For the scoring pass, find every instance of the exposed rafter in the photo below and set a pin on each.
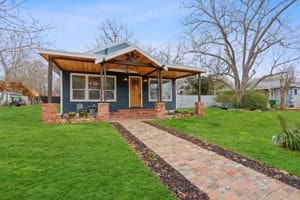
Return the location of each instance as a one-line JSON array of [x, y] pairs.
[[130, 63]]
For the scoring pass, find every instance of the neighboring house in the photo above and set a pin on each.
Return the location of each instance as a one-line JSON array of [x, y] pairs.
[[6, 98], [272, 89], [132, 78], [18, 92]]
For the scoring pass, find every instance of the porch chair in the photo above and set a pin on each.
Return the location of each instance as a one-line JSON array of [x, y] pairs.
[[79, 107]]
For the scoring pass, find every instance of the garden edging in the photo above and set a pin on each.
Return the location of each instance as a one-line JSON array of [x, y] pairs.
[[175, 182]]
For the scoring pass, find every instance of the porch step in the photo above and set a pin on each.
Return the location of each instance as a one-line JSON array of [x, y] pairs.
[[133, 114]]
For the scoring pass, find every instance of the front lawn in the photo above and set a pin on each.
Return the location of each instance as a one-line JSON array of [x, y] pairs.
[[247, 133], [78, 161]]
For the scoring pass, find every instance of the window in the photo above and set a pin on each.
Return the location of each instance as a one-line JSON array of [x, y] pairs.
[[87, 87], [110, 88], [94, 87], [295, 92], [78, 87], [166, 90]]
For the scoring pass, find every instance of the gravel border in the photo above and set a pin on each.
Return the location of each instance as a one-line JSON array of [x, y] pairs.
[[175, 182], [269, 171]]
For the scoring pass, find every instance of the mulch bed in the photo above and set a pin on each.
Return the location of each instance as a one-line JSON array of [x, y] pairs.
[[175, 182], [282, 176]]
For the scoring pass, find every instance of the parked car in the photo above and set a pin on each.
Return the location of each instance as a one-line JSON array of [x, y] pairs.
[[17, 101]]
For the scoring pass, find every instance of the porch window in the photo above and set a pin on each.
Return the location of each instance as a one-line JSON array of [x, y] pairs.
[[78, 87], [110, 88], [86, 87], [166, 90], [94, 87]]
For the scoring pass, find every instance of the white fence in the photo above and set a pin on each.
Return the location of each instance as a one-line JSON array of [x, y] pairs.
[[297, 101], [188, 101]]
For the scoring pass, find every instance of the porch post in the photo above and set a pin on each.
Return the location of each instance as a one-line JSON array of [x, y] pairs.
[[103, 107], [159, 86], [199, 106], [199, 87], [104, 85], [160, 107], [101, 83], [50, 79]]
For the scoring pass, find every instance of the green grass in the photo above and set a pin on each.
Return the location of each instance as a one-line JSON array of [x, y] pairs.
[[78, 161], [247, 133]]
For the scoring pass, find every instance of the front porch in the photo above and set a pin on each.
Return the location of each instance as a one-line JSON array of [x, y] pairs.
[[119, 80]]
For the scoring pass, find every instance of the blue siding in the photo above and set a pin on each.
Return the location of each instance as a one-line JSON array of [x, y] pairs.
[[122, 95]]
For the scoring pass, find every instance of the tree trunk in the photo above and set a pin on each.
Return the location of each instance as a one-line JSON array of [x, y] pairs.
[[282, 98]]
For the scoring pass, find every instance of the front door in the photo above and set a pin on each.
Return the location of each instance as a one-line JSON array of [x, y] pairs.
[[135, 92]]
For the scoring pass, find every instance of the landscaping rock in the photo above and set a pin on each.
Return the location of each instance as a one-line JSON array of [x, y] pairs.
[[177, 183]]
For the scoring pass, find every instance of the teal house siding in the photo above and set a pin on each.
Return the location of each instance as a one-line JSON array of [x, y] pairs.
[[122, 94]]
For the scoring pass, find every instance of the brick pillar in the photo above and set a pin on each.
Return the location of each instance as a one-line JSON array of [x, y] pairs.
[[103, 112], [49, 113], [199, 109], [160, 110]]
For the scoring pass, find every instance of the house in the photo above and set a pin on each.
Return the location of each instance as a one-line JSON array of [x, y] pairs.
[[272, 89], [7, 98], [15, 93], [120, 80]]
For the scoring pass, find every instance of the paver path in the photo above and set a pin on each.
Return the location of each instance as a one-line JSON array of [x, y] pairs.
[[216, 175]]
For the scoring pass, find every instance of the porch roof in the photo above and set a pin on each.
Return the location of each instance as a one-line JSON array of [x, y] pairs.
[[120, 57]]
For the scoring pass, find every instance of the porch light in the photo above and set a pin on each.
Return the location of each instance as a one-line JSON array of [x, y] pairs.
[[145, 80], [126, 79]]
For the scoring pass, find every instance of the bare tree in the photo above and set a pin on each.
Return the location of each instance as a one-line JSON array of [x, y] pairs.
[[235, 39], [169, 54], [19, 35], [286, 78], [14, 54], [111, 31], [14, 21], [33, 74]]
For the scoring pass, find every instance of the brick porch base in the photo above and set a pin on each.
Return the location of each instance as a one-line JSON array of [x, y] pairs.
[[49, 113], [51, 116], [199, 109], [133, 114]]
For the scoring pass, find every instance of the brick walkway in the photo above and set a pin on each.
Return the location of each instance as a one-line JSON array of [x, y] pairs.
[[216, 175]]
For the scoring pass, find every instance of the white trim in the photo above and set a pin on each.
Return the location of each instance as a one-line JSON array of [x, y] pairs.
[[175, 93], [129, 89], [108, 46], [114, 54], [182, 67], [152, 100], [86, 90], [68, 53], [61, 92]]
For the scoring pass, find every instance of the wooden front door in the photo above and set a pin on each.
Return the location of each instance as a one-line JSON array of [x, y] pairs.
[[135, 92]]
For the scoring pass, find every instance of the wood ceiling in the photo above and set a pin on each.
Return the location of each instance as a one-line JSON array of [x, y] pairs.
[[131, 62]]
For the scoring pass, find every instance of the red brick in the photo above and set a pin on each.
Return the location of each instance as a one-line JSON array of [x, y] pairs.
[[199, 109], [160, 109], [103, 112], [49, 113]]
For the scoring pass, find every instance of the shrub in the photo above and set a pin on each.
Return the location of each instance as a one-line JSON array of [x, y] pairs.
[[290, 136], [228, 99], [183, 111], [254, 100]]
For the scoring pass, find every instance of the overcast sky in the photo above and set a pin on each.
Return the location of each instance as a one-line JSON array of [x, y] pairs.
[[153, 22]]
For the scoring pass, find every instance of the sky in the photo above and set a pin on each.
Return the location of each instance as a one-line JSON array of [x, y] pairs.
[[153, 22]]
